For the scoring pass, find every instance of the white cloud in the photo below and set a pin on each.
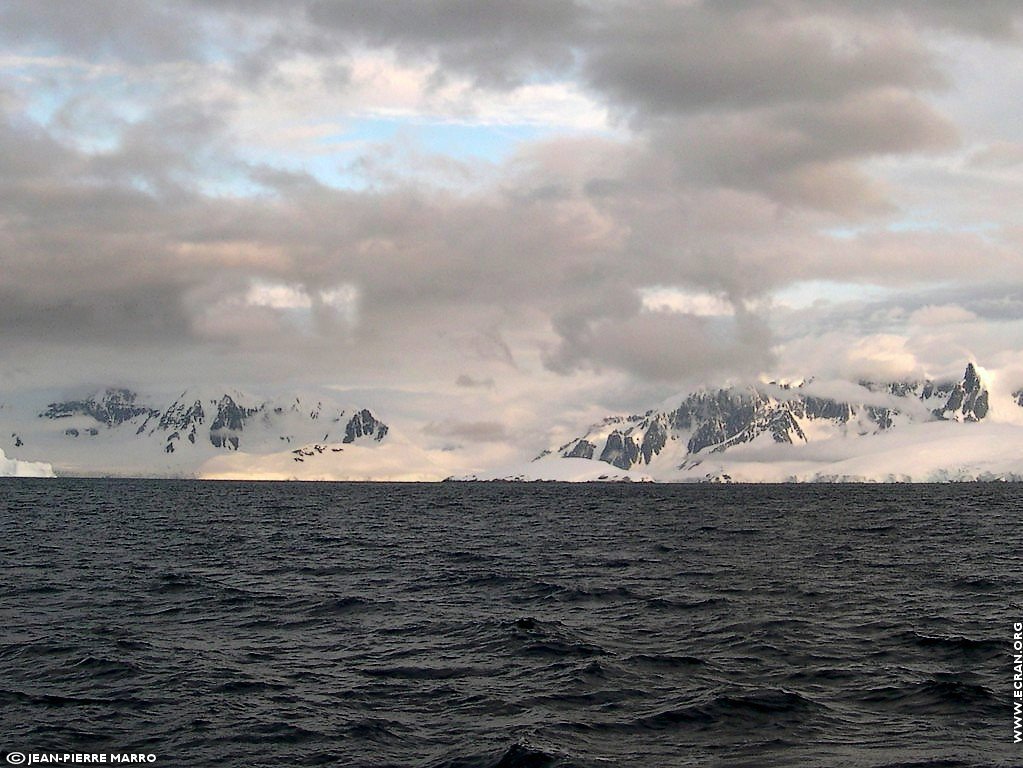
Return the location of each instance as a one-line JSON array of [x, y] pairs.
[[667, 299], [278, 296], [344, 300], [886, 354]]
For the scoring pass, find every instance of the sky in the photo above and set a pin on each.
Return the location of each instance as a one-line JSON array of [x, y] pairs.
[[497, 222]]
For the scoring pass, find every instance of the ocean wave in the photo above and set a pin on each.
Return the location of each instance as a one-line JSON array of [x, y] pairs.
[[753, 708]]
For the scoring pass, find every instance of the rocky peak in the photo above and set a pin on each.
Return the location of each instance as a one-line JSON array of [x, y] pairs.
[[114, 406], [713, 421], [183, 413], [230, 415], [967, 399], [229, 421], [364, 424]]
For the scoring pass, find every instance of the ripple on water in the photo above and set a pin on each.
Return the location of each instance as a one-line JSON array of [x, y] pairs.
[[509, 625]]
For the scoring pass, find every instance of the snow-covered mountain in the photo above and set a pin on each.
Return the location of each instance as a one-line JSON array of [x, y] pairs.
[[964, 428], [117, 431], [895, 431]]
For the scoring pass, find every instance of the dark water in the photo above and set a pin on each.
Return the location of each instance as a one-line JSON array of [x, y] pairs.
[[501, 625]]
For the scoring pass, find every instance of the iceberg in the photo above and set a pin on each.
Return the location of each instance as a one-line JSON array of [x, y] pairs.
[[15, 468]]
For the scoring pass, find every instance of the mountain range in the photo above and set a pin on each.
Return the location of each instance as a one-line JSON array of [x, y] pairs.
[[116, 431], [922, 430], [808, 431]]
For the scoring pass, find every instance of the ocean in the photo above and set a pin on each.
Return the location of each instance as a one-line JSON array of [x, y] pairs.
[[509, 625]]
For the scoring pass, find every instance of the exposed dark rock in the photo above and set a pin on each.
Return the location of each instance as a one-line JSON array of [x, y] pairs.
[[620, 450], [967, 399], [725, 418], [879, 415], [230, 415], [364, 424], [654, 440], [975, 400], [784, 426], [955, 400], [182, 415], [822, 408], [971, 381], [583, 449], [980, 405], [113, 407], [229, 421]]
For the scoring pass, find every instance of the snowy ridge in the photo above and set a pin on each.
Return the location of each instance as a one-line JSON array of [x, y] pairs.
[[968, 428], [117, 431], [907, 431]]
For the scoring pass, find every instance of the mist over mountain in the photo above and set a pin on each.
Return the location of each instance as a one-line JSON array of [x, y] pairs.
[[810, 430], [908, 430]]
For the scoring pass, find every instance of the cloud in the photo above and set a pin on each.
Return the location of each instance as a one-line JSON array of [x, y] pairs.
[[467, 381], [883, 356], [500, 44], [276, 189], [941, 315], [1002, 154], [278, 296], [145, 313], [663, 346], [661, 299], [119, 29], [470, 431], [666, 58]]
